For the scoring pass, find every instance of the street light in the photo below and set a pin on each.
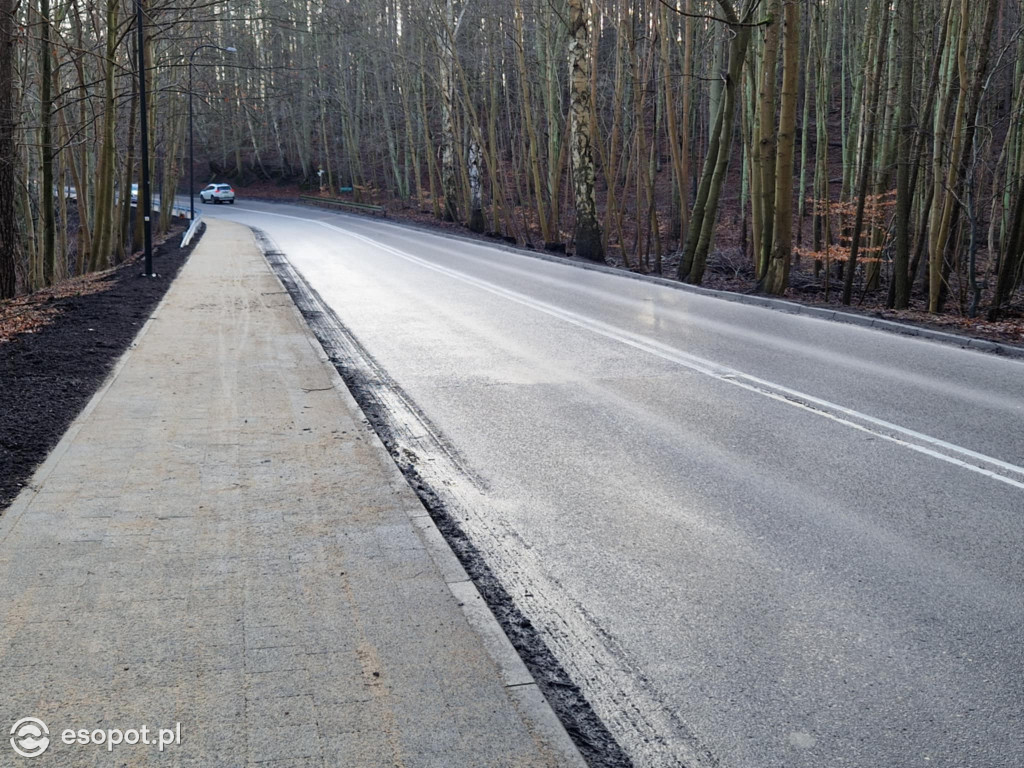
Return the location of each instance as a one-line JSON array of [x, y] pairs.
[[191, 139], [144, 193]]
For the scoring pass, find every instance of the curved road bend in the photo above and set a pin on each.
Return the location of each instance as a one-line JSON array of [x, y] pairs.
[[753, 538]]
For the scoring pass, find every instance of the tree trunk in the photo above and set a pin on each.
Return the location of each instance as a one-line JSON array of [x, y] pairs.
[[476, 209], [972, 92], [905, 141], [782, 229], [767, 140], [100, 256], [611, 167], [432, 173], [124, 227], [8, 155], [556, 119], [588, 231], [865, 170], [1012, 262], [821, 166], [446, 51], [705, 210], [943, 178], [529, 125], [48, 224], [684, 139]]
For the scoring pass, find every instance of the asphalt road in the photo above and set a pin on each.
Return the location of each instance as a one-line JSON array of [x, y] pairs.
[[752, 538]]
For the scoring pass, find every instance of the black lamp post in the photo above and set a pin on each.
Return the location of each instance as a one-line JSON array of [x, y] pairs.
[[191, 140], [144, 196]]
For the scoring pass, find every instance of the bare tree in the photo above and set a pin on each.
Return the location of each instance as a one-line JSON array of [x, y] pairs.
[[8, 155], [588, 230], [777, 278]]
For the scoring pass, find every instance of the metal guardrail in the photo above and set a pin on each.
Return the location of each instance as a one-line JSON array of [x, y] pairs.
[[187, 237], [177, 209], [367, 207]]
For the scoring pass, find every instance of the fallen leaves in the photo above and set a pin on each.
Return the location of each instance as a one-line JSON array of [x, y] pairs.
[[29, 313]]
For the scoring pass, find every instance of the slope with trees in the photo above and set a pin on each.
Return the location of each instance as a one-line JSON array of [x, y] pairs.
[[669, 136]]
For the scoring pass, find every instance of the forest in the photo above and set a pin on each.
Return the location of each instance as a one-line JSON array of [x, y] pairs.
[[858, 149]]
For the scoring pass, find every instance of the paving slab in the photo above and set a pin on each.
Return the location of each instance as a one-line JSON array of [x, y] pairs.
[[221, 547]]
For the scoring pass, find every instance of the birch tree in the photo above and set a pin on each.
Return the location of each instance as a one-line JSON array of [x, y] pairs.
[[588, 230], [446, 84]]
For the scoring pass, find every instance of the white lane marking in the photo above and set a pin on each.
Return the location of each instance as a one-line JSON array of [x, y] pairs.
[[886, 430]]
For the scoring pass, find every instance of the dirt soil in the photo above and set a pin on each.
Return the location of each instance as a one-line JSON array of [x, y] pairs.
[[57, 347]]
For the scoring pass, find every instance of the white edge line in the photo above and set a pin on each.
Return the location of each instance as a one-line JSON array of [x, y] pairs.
[[716, 371]]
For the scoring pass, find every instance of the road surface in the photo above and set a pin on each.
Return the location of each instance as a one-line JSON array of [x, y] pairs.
[[751, 538]]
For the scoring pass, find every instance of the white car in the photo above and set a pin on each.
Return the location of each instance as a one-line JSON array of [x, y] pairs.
[[218, 193]]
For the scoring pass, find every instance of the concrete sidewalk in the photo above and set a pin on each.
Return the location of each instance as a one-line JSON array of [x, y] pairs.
[[221, 542]]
